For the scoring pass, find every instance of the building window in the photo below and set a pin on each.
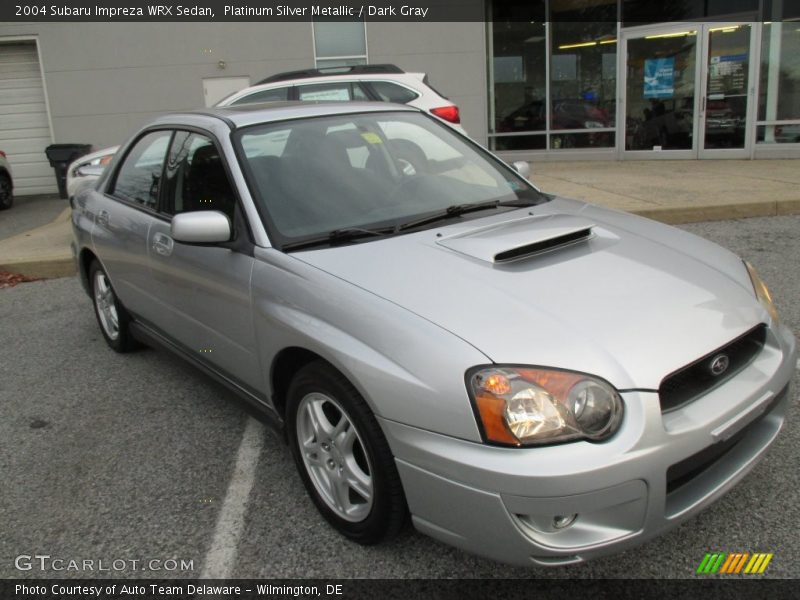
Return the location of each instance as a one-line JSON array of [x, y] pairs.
[[583, 83], [640, 12], [779, 88], [553, 84], [340, 43], [518, 70]]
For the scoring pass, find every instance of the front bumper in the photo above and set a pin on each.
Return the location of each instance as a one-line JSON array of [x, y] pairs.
[[656, 472]]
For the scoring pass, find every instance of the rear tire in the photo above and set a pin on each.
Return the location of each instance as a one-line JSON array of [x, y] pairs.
[[6, 192], [342, 456], [112, 317]]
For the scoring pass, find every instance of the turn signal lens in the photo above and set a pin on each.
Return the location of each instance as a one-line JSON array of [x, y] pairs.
[[762, 292], [497, 384], [527, 406], [448, 113]]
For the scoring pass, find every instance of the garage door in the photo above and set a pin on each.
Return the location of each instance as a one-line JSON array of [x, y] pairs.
[[24, 127]]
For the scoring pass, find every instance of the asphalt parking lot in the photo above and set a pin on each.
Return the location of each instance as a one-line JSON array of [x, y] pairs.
[[140, 458]]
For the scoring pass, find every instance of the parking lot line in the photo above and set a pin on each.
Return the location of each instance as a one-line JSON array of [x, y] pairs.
[[221, 556]]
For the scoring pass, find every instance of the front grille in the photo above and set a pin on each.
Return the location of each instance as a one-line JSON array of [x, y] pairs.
[[685, 471], [694, 380]]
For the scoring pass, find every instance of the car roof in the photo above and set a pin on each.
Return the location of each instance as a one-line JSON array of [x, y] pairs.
[[243, 115], [381, 69]]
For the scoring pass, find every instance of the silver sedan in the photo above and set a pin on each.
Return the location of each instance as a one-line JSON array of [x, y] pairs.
[[530, 378]]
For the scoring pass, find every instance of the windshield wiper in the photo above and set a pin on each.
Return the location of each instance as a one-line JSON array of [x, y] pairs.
[[349, 234], [338, 236], [456, 210]]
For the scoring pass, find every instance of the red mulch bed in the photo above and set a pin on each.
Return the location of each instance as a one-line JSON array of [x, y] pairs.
[[8, 280]]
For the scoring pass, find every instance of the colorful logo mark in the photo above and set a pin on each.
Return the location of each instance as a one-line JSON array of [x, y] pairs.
[[734, 563]]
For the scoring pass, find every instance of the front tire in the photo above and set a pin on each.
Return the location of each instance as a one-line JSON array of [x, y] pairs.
[[111, 315], [342, 456]]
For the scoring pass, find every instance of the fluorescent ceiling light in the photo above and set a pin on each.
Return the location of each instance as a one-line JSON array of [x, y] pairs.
[[670, 35], [581, 45]]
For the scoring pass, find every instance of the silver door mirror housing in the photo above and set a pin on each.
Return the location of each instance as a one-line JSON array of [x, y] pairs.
[[90, 170], [523, 168], [201, 227]]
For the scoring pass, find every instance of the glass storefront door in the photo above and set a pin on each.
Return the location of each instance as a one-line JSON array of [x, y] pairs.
[[660, 83], [726, 113], [687, 91]]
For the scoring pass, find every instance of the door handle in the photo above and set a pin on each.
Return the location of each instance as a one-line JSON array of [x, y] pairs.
[[102, 218], [162, 244]]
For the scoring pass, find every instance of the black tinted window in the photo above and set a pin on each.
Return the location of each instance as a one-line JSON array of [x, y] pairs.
[[196, 177], [276, 95], [391, 92], [138, 178]]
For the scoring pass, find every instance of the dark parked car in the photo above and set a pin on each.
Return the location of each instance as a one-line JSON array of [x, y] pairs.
[[6, 183]]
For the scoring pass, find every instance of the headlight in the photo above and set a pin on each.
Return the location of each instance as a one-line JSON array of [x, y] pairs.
[[762, 292], [522, 406]]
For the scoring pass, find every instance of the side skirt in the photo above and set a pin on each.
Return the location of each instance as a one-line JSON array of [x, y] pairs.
[[150, 336]]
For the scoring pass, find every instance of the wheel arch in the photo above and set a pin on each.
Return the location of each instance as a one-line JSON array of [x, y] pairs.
[[284, 367], [85, 259]]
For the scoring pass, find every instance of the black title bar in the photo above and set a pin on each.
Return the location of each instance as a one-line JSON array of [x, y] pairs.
[[710, 588], [630, 12]]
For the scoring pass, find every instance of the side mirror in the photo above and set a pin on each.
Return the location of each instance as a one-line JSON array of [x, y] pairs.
[[523, 168], [90, 170], [201, 227]]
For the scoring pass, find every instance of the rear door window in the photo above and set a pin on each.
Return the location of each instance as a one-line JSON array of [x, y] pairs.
[[139, 178], [274, 95]]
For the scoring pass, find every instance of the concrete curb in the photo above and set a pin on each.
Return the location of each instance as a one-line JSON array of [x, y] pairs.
[[675, 215], [58, 262], [43, 252]]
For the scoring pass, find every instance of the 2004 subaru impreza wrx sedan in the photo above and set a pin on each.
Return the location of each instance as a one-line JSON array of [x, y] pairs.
[[532, 379]]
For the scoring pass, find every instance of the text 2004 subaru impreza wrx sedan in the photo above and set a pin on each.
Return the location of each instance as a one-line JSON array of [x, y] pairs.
[[533, 379]]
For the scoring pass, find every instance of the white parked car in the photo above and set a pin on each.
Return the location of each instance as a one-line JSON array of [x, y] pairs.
[[378, 83], [360, 83], [86, 169]]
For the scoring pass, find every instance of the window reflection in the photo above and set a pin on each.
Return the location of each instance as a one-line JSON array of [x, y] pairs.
[[583, 75], [519, 76], [660, 91], [779, 90]]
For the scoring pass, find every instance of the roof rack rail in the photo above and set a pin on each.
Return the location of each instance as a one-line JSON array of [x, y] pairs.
[[328, 71]]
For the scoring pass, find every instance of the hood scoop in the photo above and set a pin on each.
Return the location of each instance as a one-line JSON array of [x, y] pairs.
[[521, 238]]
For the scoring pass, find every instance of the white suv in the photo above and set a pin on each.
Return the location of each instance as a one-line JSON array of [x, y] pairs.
[[368, 83], [376, 83]]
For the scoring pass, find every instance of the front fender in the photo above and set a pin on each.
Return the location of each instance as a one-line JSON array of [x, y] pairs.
[[409, 370]]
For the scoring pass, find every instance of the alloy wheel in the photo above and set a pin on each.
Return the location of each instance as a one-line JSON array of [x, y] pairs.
[[106, 305], [334, 457]]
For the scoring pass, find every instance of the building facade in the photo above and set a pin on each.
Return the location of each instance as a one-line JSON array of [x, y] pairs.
[[608, 79], [568, 80]]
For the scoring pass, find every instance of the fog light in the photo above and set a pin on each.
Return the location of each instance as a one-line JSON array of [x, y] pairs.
[[562, 522]]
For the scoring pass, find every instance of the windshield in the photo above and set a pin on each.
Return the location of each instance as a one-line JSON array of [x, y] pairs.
[[314, 176]]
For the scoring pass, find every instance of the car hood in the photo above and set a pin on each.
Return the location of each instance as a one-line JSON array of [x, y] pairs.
[[631, 303]]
